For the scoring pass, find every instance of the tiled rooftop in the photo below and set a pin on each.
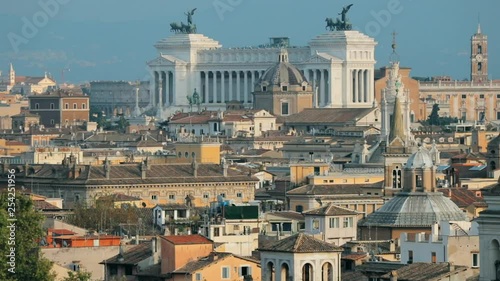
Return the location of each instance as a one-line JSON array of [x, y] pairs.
[[301, 243], [187, 239], [331, 210]]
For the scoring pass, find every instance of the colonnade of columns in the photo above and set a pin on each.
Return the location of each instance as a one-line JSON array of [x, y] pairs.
[[362, 83], [221, 86], [163, 88], [227, 85], [319, 79]]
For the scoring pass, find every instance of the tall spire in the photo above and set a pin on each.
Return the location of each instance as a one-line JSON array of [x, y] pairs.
[[394, 58], [397, 128], [478, 24]]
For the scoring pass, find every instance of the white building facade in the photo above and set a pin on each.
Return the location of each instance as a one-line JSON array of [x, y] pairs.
[[339, 65]]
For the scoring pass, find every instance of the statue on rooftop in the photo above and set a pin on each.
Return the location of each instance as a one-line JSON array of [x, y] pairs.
[[183, 28], [341, 23]]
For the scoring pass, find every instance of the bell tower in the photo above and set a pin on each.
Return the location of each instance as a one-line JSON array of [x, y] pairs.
[[479, 56]]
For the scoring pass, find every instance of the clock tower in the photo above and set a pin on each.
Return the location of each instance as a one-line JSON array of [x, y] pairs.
[[479, 56]]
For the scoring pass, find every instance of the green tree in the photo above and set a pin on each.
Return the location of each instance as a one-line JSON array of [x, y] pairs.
[[122, 124], [29, 263], [434, 117], [78, 276]]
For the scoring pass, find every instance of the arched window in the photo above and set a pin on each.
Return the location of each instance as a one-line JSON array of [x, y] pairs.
[[285, 272], [307, 272], [396, 178], [327, 272], [269, 272]]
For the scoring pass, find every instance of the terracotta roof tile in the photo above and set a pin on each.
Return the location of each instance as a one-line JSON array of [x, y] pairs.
[[328, 115], [132, 256], [330, 210], [301, 243], [187, 239]]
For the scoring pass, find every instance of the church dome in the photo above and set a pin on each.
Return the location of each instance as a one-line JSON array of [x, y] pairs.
[[281, 74], [420, 159], [415, 209]]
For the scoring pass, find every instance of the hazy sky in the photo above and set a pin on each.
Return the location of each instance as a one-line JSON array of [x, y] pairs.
[[113, 39]]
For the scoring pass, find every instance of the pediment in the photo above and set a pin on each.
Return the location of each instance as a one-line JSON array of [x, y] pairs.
[[166, 60], [322, 58]]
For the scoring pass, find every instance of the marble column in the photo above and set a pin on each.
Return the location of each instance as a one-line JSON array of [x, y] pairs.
[[252, 86], [206, 87], [238, 88], [356, 86], [167, 88], [231, 92], [214, 86], [223, 87], [245, 85]]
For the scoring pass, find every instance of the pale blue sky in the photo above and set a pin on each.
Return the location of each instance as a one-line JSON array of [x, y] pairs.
[[112, 39]]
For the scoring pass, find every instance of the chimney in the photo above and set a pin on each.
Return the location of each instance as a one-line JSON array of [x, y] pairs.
[[225, 166], [393, 276], [451, 266], [194, 165], [107, 167], [143, 169], [153, 245]]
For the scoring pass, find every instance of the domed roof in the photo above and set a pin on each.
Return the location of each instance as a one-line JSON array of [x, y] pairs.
[[414, 210], [283, 72], [420, 159]]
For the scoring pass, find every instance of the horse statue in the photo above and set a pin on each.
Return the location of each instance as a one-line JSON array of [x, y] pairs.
[[175, 27], [333, 25], [341, 23], [188, 28]]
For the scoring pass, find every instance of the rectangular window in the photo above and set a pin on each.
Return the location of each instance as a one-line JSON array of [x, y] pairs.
[[348, 222], [223, 195], [245, 270], [464, 96], [287, 226], [225, 272], [51, 106], [66, 105], [171, 196], [481, 96], [475, 260], [275, 226], [239, 195], [433, 257], [84, 105], [154, 197], [419, 181], [284, 88], [410, 256], [284, 108], [128, 270], [498, 96], [205, 195], [216, 232], [198, 276], [334, 222], [316, 224]]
